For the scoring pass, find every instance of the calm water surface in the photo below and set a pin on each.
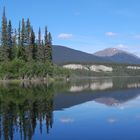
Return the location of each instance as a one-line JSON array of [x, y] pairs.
[[102, 109]]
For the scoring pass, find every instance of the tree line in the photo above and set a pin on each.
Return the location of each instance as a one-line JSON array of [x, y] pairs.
[[24, 54], [22, 43]]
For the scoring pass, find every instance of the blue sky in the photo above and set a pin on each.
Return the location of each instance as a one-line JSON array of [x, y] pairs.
[[87, 25]]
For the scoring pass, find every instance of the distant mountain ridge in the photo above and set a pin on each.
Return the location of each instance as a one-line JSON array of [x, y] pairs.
[[112, 51], [108, 52], [118, 56], [62, 54]]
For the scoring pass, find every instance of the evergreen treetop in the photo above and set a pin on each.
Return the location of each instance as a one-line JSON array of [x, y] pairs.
[[22, 43]]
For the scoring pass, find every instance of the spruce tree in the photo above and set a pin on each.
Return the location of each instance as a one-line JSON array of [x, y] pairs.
[[48, 47], [9, 42], [46, 36], [40, 51], [19, 35], [50, 38], [4, 29], [21, 50], [39, 37], [32, 37], [28, 47], [9, 34], [23, 33], [33, 45], [4, 50], [46, 44], [14, 46], [27, 32]]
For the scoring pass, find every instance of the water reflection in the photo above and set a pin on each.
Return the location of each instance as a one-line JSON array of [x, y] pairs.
[[22, 109], [28, 108], [111, 92], [93, 85], [106, 83]]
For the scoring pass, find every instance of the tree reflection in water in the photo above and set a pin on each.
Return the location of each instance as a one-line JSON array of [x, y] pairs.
[[22, 107]]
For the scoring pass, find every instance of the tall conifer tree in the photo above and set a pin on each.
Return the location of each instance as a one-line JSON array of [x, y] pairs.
[[21, 51], [19, 35], [14, 46], [28, 46], [23, 33], [40, 54], [9, 34], [33, 44], [10, 41], [48, 46], [4, 50], [27, 32]]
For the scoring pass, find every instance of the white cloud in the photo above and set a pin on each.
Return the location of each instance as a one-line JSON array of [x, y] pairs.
[[65, 36], [110, 34]]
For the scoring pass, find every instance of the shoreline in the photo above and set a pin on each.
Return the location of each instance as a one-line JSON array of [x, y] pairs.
[[46, 80]]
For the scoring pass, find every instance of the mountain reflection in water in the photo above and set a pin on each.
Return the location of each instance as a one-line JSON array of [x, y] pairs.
[[27, 109], [96, 85]]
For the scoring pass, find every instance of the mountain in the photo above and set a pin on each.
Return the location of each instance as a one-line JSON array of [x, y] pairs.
[[63, 54], [118, 56], [108, 52]]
